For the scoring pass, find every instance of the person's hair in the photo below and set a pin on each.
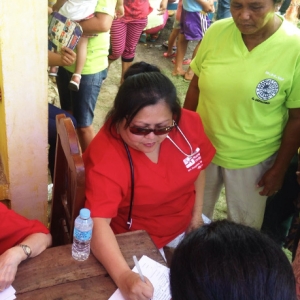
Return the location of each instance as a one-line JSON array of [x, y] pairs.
[[140, 67], [228, 261], [141, 90]]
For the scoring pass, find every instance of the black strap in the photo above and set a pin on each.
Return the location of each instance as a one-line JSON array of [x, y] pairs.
[[129, 219]]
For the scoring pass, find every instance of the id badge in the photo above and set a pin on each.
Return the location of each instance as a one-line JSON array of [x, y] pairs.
[[192, 159]]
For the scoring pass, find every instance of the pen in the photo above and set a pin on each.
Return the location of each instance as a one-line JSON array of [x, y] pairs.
[[138, 268]]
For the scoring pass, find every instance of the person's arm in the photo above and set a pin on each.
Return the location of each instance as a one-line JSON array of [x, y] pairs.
[[207, 6], [101, 22], [272, 180], [65, 58], [197, 220], [119, 12], [50, 11], [163, 6], [58, 4], [192, 95], [106, 249], [12, 257]]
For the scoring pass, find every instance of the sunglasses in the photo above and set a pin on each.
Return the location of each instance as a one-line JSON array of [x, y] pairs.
[[146, 131]]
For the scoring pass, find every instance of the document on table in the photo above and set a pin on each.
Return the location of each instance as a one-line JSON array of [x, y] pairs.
[[8, 294], [157, 273]]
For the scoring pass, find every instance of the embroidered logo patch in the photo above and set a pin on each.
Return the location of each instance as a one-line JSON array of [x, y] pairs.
[[267, 89]]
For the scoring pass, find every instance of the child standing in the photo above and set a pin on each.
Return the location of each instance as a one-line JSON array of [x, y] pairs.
[[193, 24], [171, 43], [126, 31], [79, 10]]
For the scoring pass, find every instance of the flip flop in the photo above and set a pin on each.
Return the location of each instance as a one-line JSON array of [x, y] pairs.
[[171, 55], [186, 61], [166, 44]]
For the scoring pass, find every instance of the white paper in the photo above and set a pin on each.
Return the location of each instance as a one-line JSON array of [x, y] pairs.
[[157, 273], [8, 294]]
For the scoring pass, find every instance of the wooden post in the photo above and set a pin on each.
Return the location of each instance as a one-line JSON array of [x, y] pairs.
[[23, 107]]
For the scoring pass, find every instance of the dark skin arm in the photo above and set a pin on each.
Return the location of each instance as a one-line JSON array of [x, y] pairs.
[[192, 95], [272, 180]]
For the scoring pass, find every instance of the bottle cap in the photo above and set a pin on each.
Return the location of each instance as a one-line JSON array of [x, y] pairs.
[[85, 213]]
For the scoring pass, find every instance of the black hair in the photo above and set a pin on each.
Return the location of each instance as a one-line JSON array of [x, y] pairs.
[[140, 67], [228, 261], [141, 90]]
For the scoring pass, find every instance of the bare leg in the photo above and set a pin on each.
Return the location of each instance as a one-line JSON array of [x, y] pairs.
[[85, 136], [181, 50], [189, 73], [125, 66], [53, 71], [172, 40], [81, 57]]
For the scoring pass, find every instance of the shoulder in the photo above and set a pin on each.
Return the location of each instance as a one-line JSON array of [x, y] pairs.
[[188, 116], [190, 121], [220, 29], [102, 145], [222, 25], [290, 31], [104, 154]]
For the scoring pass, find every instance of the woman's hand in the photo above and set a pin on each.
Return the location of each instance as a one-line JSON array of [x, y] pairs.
[[195, 223], [68, 56], [9, 262], [133, 288], [271, 182]]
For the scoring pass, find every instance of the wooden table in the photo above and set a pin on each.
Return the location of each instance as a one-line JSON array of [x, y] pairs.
[[55, 275]]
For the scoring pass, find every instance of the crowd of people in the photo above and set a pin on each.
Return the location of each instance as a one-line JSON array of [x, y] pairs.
[[157, 166]]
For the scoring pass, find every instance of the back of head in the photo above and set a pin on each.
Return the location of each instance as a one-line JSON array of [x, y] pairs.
[[140, 90], [140, 67], [228, 261]]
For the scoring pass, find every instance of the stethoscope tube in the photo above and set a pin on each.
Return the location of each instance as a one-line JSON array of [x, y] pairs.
[[129, 219]]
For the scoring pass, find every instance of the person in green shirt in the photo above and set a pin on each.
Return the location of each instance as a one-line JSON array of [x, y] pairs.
[[248, 96], [82, 103]]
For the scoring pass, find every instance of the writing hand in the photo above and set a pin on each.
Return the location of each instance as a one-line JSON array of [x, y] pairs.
[[133, 288]]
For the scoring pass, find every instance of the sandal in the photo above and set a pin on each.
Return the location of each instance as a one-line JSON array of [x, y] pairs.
[[186, 61], [170, 55], [53, 71], [166, 44], [74, 86]]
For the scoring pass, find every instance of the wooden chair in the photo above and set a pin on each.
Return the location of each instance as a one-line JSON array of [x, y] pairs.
[[68, 184]]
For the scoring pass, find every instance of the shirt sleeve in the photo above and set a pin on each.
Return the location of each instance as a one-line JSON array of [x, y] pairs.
[[106, 6], [14, 228]]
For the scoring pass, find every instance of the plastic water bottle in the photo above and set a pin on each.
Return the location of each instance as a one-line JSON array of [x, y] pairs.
[[82, 235]]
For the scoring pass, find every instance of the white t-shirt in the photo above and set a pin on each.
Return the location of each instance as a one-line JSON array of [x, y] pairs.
[[78, 9]]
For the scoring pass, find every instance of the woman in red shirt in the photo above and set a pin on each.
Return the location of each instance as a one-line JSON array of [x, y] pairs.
[[153, 152]]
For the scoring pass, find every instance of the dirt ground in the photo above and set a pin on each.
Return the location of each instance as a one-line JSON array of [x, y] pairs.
[[150, 52]]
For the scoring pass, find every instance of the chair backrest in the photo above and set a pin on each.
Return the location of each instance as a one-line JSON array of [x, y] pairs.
[[68, 184]]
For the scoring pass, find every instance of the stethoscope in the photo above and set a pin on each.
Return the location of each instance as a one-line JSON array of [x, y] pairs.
[[129, 218]]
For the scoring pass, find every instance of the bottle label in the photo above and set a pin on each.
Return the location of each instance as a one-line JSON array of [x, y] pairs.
[[82, 235]]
